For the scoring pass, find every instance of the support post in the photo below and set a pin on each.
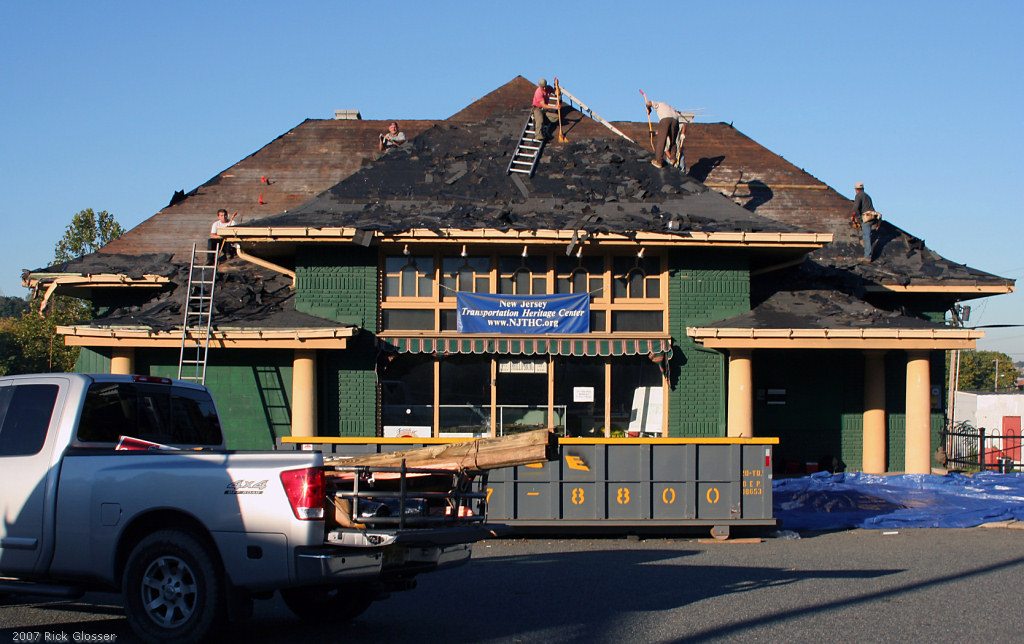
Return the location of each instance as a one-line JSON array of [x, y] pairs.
[[874, 434], [304, 393], [740, 420], [122, 361], [918, 432]]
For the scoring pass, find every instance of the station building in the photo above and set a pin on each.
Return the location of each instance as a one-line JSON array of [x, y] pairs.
[[721, 299]]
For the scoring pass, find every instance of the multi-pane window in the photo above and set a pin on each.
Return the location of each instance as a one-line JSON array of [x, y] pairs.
[[469, 274], [626, 290], [409, 276], [636, 277], [523, 275], [580, 275]]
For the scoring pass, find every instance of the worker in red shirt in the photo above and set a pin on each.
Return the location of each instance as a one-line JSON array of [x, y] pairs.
[[541, 108]]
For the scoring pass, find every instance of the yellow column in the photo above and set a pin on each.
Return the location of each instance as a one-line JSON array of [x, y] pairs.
[[304, 393], [874, 461], [122, 360], [740, 420], [918, 436]]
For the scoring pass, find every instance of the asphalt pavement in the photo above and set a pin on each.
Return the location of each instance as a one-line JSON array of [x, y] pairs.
[[918, 585]]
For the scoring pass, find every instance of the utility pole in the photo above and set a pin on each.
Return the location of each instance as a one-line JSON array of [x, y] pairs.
[[995, 383]]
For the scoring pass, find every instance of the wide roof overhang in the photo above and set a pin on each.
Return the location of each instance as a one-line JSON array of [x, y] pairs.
[[868, 338], [272, 234], [248, 338]]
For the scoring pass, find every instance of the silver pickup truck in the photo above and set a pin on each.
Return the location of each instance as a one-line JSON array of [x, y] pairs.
[[190, 533]]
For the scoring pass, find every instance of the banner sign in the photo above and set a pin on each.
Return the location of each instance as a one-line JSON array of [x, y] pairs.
[[523, 314]]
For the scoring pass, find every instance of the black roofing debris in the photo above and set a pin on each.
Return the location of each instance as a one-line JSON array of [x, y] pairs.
[[816, 296], [244, 296], [455, 176]]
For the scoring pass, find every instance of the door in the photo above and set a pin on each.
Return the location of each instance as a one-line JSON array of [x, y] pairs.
[[27, 427], [1011, 437]]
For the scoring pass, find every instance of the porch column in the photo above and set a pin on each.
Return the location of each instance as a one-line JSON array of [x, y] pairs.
[[122, 361], [874, 461], [304, 393], [740, 419], [918, 433]]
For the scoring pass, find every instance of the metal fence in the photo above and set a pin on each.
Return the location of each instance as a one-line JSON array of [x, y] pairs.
[[978, 449]]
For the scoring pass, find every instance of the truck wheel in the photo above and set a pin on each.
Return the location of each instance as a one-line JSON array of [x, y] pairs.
[[173, 589], [330, 604]]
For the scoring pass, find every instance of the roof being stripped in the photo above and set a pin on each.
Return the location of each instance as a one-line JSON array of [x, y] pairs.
[[328, 173]]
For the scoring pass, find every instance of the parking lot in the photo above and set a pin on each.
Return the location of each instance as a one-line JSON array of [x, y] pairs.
[[921, 585]]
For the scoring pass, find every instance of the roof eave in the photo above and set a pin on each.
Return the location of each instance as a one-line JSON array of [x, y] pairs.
[[867, 338]]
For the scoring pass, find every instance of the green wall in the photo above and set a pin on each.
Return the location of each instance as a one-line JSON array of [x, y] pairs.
[[252, 388], [339, 282], [702, 288]]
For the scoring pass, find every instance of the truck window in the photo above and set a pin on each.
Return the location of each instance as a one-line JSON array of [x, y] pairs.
[[195, 418], [25, 412], [109, 413]]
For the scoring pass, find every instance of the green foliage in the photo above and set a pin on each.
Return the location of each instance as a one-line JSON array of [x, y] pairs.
[[31, 345], [11, 307], [87, 233], [978, 371]]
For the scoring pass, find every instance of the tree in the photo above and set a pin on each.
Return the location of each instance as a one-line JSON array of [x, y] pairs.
[[87, 233], [29, 343], [978, 371], [12, 306]]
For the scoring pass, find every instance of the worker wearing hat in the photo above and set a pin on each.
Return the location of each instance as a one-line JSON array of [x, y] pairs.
[[541, 107], [865, 213]]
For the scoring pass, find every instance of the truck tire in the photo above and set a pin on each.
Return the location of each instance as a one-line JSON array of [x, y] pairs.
[[329, 604], [173, 589]]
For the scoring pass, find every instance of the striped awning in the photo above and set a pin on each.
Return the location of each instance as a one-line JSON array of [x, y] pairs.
[[603, 347]]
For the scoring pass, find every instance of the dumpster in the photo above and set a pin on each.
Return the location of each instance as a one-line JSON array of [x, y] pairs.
[[624, 483]]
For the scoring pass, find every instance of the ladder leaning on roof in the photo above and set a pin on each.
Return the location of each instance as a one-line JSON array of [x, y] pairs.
[[195, 326], [531, 144]]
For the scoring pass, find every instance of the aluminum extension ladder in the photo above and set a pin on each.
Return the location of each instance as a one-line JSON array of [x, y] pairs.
[[531, 144], [198, 315]]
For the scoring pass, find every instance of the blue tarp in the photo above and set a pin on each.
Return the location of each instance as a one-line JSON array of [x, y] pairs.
[[826, 501]]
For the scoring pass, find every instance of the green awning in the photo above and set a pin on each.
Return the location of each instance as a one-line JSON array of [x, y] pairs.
[[520, 346]]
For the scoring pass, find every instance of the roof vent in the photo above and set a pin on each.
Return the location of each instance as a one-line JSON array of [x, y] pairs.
[[348, 115]]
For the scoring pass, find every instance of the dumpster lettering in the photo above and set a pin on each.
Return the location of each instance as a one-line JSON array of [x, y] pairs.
[[576, 463], [713, 495], [623, 496], [669, 496], [577, 496]]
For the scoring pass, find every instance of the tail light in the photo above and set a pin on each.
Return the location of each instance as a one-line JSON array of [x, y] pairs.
[[305, 489]]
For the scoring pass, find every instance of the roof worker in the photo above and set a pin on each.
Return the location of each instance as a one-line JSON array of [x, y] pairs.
[[541, 108], [864, 211], [393, 138], [213, 244], [668, 132]]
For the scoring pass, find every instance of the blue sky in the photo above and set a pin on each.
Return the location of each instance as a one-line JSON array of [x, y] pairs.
[[114, 105]]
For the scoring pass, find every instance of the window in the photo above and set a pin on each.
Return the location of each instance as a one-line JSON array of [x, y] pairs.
[[523, 275], [157, 413], [580, 275], [469, 274], [411, 276], [25, 412], [627, 291], [636, 277]]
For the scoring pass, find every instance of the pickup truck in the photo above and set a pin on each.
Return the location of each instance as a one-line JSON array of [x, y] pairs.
[[189, 532]]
